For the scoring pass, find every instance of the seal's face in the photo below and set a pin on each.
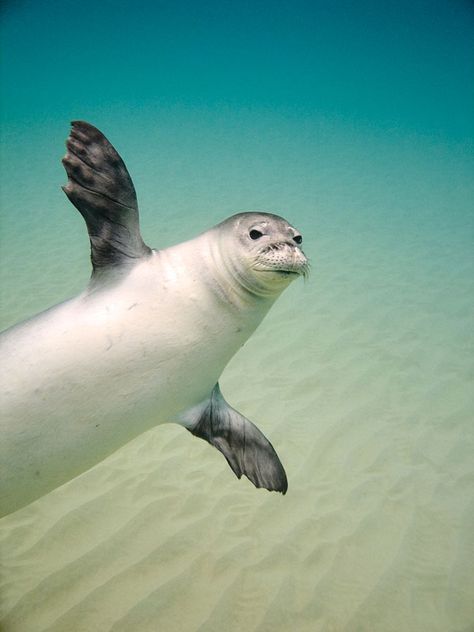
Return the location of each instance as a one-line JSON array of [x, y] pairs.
[[270, 249]]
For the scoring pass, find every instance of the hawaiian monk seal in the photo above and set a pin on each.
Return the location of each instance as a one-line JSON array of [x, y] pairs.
[[145, 343]]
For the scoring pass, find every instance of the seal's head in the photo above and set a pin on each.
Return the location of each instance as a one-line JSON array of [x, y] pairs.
[[269, 251]]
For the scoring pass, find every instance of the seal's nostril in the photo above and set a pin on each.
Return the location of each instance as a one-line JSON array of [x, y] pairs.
[[298, 239]]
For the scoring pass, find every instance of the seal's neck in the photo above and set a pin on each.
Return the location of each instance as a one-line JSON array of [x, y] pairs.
[[205, 268], [230, 276]]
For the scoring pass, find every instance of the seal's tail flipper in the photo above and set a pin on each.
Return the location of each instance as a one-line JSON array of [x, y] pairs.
[[101, 189], [246, 449]]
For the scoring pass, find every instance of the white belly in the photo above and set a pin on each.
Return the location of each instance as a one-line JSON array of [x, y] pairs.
[[85, 377]]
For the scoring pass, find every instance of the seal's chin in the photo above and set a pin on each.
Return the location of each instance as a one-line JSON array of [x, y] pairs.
[[286, 260]]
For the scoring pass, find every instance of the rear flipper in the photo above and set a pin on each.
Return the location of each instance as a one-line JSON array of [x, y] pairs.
[[246, 449]]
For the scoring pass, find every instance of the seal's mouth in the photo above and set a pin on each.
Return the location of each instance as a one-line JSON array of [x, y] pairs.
[[284, 258]]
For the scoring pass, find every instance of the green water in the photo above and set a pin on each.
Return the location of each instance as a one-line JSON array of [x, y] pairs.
[[353, 121]]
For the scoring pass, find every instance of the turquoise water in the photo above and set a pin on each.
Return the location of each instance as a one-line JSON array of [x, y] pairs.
[[353, 121]]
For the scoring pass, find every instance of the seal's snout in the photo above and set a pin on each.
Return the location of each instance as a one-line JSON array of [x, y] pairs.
[[283, 256], [280, 245]]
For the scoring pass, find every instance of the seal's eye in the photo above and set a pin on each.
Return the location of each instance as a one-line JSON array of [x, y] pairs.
[[255, 234], [298, 239]]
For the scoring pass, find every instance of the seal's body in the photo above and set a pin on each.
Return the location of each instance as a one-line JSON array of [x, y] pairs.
[[144, 344]]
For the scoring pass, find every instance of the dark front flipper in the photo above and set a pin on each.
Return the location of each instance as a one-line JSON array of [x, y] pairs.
[[246, 449], [101, 189]]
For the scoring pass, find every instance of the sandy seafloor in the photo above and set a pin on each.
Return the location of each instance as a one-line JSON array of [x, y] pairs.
[[354, 121], [361, 377]]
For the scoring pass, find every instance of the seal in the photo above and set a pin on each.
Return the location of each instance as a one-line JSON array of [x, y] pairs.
[[145, 343]]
